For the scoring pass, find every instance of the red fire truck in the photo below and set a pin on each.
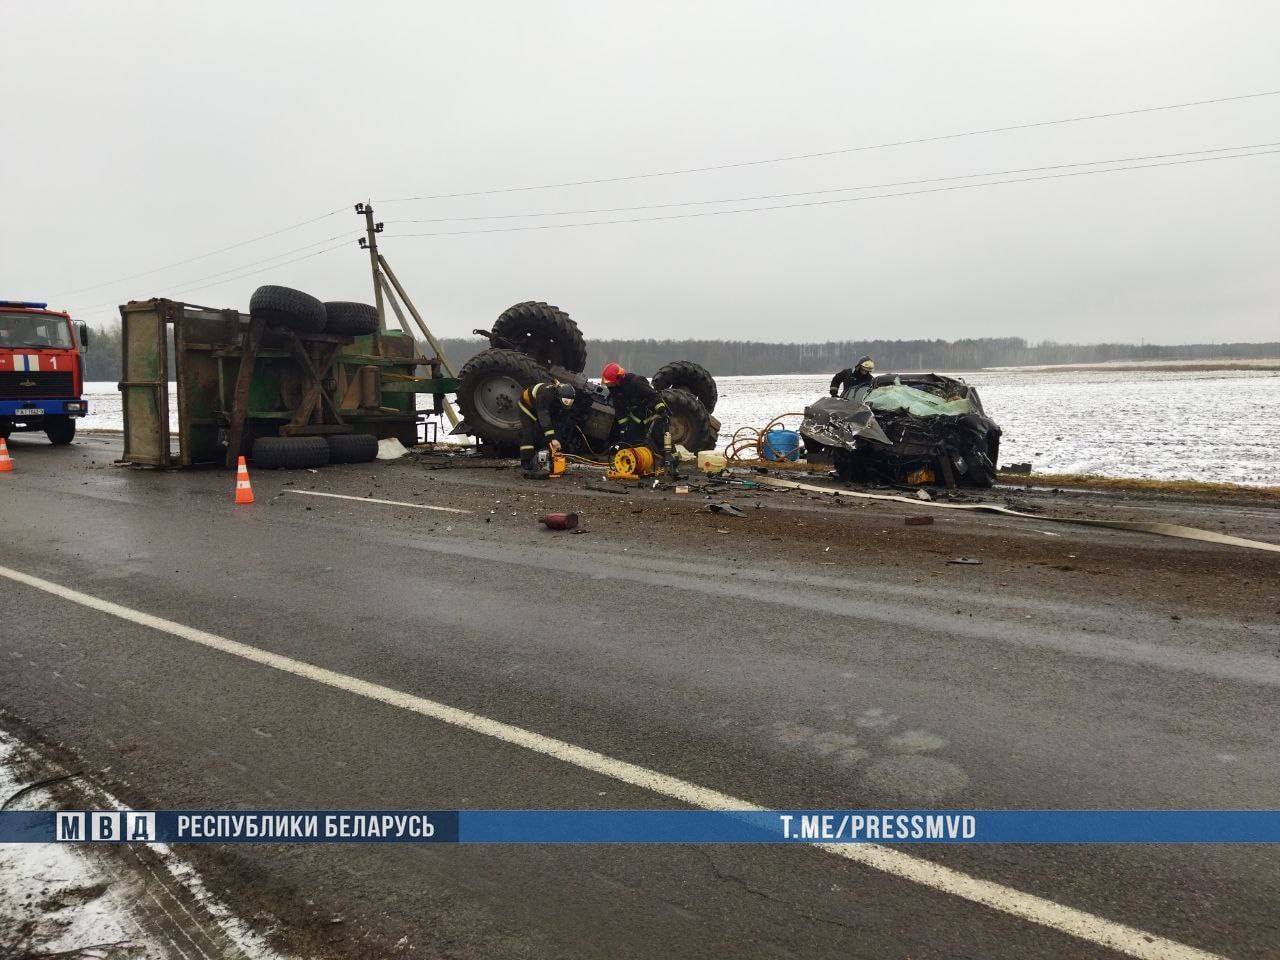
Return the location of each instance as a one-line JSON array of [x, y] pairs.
[[41, 370]]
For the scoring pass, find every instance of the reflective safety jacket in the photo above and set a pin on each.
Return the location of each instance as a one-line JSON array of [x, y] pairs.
[[635, 400], [539, 404]]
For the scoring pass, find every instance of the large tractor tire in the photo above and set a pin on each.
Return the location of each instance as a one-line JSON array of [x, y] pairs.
[[690, 422], [350, 319], [687, 375], [545, 333], [289, 453], [286, 307], [352, 447], [489, 387], [60, 430]]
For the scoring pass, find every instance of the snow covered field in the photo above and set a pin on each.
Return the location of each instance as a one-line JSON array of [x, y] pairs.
[[1214, 425]]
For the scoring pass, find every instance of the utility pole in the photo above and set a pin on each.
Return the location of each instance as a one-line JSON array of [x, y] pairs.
[[370, 243]]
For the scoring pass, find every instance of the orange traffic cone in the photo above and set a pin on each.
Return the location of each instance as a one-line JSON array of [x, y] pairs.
[[244, 492], [6, 461]]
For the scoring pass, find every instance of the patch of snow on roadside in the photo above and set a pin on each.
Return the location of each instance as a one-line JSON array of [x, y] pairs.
[[58, 898], [54, 898]]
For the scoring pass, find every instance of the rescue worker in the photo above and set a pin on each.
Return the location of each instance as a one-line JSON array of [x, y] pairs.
[[542, 415], [642, 416], [861, 374]]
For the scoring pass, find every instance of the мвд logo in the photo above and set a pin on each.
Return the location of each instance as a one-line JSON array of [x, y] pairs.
[[106, 826]]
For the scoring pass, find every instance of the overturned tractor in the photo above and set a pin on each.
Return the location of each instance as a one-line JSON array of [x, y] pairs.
[[533, 340]]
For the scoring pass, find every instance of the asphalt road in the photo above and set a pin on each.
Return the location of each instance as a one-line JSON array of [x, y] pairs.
[[781, 681]]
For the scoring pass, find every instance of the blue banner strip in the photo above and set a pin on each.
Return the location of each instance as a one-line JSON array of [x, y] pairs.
[[642, 826]]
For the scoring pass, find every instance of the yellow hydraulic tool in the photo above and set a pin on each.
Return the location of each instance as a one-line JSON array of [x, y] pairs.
[[631, 463]]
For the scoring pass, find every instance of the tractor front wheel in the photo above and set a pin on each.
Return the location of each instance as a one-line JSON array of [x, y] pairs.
[[690, 422]]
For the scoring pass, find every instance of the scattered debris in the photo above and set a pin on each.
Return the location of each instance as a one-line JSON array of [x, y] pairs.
[[918, 521], [966, 561], [728, 508], [391, 449], [601, 488], [1023, 468], [561, 521]]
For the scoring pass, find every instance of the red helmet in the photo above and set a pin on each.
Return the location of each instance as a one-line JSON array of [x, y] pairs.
[[612, 374]]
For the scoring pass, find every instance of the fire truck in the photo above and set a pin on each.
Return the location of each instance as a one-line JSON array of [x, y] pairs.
[[41, 370]]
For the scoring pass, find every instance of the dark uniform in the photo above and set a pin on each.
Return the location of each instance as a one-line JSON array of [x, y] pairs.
[[540, 411], [860, 375], [642, 416]]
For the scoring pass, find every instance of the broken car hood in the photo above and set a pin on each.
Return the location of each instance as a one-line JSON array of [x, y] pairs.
[[839, 423]]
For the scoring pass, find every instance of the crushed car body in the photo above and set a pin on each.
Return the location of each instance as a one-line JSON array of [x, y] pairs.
[[905, 429]]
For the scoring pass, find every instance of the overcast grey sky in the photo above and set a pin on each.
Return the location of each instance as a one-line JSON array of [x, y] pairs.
[[137, 134]]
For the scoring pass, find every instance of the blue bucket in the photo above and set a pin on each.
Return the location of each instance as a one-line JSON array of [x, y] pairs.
[[781, 445]]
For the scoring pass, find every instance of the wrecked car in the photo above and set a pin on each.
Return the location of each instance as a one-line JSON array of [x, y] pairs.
[[533, 339], [911, 429]]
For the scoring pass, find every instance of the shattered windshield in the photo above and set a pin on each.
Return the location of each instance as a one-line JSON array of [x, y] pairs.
[[34, 330]]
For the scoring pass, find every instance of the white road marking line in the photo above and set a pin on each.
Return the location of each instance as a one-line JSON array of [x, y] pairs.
[[393, 503], [1077, 923]]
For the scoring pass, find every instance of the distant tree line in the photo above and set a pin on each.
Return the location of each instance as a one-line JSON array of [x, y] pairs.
[[746, 357], [733, 357], [102, 359]]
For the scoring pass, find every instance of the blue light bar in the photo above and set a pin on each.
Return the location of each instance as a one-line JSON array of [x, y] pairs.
[[24, 303]]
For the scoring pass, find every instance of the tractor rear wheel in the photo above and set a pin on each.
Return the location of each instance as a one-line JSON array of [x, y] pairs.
[[489, 387], [544, 332]]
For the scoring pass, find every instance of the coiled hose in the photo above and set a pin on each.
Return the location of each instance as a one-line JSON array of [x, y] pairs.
[[750, 440]]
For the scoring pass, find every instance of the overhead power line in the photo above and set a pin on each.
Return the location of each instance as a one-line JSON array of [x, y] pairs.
[[810, 193], [235, 269], [202, 256], [838, 152], [219, 283], [274, 266], [821, 203]]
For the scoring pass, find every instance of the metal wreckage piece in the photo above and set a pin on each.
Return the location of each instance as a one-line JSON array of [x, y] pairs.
[[840, 424], [915, 429]]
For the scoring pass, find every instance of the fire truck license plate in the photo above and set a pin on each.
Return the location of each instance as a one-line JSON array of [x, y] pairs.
[[28, 412]]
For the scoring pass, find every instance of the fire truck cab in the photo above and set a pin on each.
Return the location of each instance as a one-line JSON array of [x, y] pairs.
[[41, 370]]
